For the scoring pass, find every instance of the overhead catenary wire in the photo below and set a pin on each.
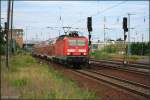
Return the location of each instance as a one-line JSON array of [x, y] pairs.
[[116, 5], [103, 11]]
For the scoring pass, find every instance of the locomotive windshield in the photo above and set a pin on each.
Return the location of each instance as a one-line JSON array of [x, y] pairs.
[[72, 42], [77, 42], [81, 43]]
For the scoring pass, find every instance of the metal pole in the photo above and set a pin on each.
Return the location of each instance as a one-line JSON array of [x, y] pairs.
[[104, 32], [125, 53], [129, 53], [142, 45], [0, 16], [7, 34], [26, 37], [129, 48], [59, 20], [12, 28], [59, 32], [0, 33]]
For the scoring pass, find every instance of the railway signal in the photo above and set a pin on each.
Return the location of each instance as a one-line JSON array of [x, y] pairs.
[[89, 27], [5, 32], [89, 24], [125, 28]]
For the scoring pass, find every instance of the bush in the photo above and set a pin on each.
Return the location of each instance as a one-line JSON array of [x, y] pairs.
[[110, 49], [2, 50], [140, 48]]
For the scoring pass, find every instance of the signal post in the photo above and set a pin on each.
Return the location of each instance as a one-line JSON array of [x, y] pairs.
[[125, 28], [89, 27]]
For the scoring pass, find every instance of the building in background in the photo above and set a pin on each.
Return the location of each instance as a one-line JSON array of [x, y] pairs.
[[17, 35]]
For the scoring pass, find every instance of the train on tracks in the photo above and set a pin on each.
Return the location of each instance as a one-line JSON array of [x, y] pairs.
[[70, 49]]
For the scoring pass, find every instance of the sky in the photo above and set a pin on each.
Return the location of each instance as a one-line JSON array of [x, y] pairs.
[[41, 19]]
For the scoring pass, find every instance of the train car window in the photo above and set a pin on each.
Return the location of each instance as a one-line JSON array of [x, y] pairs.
[[81, 42]]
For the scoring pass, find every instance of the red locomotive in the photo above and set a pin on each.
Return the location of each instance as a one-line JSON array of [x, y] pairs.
[[69, 49]]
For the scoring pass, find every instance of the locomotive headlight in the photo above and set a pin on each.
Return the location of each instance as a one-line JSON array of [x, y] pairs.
[[84, 53], [68, 53]]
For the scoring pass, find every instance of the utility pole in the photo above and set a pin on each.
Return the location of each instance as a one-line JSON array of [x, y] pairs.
[[136, 36], [0, 33], [0, 17], [142, 44], [26, 37], [104, 30], [59, 32], [129, 50], [142, 37], [129, 34], [59, 20], [11, 43], [7, 33]]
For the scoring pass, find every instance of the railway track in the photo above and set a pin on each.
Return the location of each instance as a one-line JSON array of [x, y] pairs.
[[135, 65], [139, 89], [136, 88], [139, 69], [118, 61]]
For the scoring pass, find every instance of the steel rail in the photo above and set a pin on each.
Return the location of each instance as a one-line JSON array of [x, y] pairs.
[[99, 78], [119, 79], [137, 65], [122, 68]]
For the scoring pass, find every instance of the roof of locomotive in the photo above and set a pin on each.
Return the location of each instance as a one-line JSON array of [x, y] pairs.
[[72, 34]]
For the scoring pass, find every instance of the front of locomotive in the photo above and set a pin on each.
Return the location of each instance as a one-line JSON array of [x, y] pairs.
[[76, 50]]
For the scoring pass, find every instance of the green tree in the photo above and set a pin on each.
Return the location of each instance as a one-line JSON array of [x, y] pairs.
[[2, 41], [140, 48]]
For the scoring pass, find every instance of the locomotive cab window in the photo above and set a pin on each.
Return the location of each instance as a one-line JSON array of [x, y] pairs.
[[81, 42], [72, 42], [76, 42]]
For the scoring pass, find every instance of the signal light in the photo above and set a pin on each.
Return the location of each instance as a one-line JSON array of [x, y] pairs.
[[89, 43], [89, 36], [89, 23], [5, 27], [125, 36], [125, 27]]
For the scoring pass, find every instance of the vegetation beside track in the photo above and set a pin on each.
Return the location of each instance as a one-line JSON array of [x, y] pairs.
[[28, 79], [111, 56], [115, 52]]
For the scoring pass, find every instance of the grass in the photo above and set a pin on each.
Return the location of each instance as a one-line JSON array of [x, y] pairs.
[[20, 82], [30, 80], [102, 55]]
